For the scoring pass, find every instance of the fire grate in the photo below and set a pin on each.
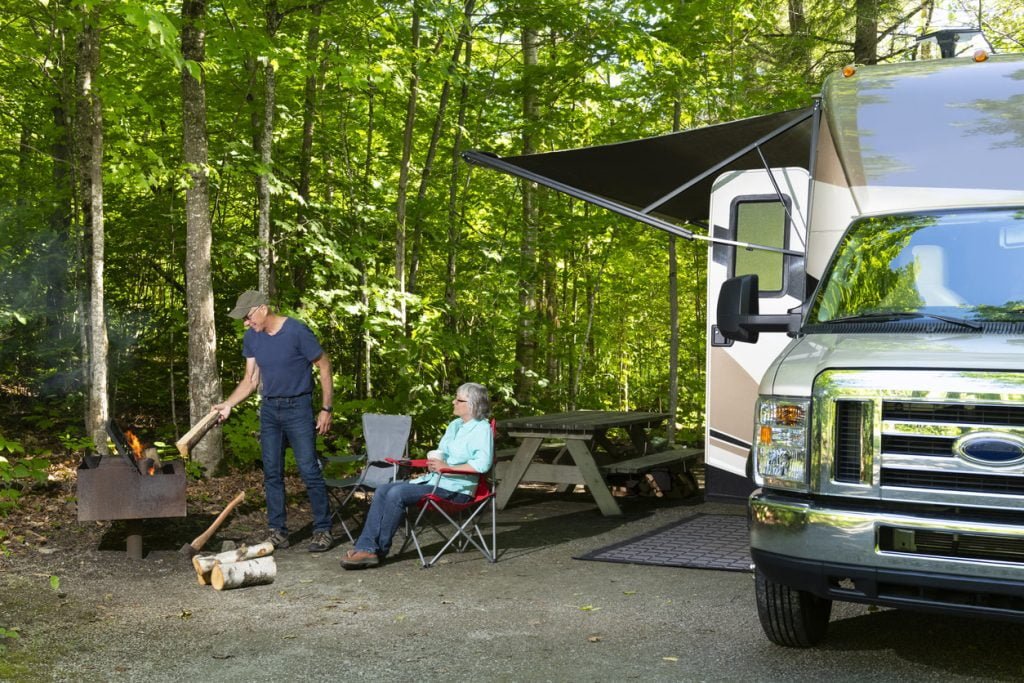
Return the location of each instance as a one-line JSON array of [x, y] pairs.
[[118, 489]]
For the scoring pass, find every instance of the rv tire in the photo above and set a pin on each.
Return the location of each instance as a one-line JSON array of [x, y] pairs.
[[790, 617]]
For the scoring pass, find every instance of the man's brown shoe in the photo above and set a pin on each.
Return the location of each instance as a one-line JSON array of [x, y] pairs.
[[359, 559]]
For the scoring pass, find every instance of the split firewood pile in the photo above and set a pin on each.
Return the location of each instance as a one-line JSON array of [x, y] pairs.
[[251, 565], [246, 566]]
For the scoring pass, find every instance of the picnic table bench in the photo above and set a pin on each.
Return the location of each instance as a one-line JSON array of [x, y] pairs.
[[674, 456]]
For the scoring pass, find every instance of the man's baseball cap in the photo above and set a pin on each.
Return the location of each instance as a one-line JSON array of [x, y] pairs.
[[246, 302]]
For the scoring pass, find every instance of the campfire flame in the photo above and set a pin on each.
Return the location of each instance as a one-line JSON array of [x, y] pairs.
[[136, 446]]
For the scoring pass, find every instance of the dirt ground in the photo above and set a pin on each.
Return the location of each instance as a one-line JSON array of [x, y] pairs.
[[84, 612]]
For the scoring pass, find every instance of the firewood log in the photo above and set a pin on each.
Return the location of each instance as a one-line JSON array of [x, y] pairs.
[[204, 564], [246, 573], [197, 432]]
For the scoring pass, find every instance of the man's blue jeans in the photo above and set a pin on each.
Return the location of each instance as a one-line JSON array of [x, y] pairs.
[[289, 422], [388, 510]]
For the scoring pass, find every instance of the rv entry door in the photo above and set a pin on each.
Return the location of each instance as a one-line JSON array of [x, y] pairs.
[[756, 208]]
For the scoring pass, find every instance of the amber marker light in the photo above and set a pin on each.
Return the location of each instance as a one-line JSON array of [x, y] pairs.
[[981, 56], [766, 435], [789, 415], [849, 70]]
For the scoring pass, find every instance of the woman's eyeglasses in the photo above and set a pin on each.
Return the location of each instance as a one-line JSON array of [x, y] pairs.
[[461, 400]]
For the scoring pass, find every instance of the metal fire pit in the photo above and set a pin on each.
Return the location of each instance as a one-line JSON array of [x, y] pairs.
[[113, 488]]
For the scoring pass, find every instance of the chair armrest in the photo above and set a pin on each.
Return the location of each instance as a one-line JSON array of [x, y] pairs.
[[406, 463], [338, 459]]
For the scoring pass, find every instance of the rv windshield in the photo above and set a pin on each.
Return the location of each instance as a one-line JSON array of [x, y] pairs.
[[963, 265]]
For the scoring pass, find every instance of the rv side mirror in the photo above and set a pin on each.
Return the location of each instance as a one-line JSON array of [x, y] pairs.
[[739, 315], [736, 302]]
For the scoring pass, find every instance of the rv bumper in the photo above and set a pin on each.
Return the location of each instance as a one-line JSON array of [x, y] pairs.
[[888, 559]]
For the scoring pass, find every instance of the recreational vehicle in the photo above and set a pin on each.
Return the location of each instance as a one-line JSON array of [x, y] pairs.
[[866, 344]]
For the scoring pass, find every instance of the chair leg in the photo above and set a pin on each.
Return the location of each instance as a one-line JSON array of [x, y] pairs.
[[339, 509]]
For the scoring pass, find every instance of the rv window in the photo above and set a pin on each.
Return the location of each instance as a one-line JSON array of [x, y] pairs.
[[887, 269], [761, 222]]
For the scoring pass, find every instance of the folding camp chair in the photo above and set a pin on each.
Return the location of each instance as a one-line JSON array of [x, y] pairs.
[[463, 517], [387, 437]]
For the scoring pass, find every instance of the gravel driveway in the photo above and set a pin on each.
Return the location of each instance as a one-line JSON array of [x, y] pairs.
[[535, 615]]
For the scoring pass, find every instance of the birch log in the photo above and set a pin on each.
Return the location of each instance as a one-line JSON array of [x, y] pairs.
[[246, 573], [204, 564]]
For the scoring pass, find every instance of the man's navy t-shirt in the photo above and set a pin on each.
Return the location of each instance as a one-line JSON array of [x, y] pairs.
[[284, 358]]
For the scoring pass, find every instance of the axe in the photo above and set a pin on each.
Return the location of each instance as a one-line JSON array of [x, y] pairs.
[[190, 549]]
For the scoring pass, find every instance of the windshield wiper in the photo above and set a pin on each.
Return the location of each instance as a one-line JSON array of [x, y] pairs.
[[888, 316]]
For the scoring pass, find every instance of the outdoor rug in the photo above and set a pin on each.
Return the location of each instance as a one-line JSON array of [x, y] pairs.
[[703, 542]]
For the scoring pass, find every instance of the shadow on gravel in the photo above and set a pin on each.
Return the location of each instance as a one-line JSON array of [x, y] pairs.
[[952, 644], [539, 520]]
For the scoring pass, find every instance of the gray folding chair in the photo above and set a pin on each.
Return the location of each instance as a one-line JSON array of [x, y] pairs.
[[386, 436]]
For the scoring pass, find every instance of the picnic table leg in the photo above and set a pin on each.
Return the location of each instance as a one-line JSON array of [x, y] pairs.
[[516, 469], [592, 476], [638, 436], [600, 438]]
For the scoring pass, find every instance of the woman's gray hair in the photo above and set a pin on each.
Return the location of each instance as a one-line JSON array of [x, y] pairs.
[[476, 395]]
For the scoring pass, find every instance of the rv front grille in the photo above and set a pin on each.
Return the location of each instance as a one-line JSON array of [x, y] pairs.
[[849, 425], [953, 481], [918, 445], [950, 544], [895, 432], [954, 413]]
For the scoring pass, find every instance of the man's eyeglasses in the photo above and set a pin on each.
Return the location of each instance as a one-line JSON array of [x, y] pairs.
[[248, 316]]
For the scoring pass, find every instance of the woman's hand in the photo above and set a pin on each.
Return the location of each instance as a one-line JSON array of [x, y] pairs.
[[435, 465]]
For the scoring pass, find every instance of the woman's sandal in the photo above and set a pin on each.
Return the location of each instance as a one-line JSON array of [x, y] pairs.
[[358, 559]]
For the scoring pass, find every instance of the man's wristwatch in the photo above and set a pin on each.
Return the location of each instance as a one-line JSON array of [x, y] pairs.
[[327, 410]]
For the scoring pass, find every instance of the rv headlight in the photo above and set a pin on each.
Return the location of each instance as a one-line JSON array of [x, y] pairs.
[[780, 442]]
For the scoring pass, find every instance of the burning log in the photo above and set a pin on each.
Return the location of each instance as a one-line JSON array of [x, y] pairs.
[[150, 462], [255, 572], [186, 443], [204, 564]]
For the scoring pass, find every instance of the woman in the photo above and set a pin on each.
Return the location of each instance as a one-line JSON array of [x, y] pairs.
[[467, 446]]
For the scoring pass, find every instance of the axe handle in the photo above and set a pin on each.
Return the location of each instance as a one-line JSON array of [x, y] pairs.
[[202, 538]]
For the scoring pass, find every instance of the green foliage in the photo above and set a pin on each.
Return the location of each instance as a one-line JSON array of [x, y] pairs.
[[606, 72], [8, 633], [17, 473], [240, 436]]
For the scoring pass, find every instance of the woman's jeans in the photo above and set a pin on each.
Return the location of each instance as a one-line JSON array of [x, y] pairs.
[[388, 510], [289, 422]]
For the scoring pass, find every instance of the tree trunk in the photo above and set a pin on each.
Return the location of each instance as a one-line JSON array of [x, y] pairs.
[[526, 329], [90, 168], [865, 40], [300, 270], [264, 233], [673, 307], [435, 137], [365, 382], [403, 171], [454, 213], [203, 378]]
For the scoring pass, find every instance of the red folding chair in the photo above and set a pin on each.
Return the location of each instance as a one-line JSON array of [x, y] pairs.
[[463, 519]]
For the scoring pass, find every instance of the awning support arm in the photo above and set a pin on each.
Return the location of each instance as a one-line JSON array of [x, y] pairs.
[[491, 161], [728, 160]]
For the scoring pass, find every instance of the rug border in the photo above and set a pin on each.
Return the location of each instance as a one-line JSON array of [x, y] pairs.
[[591, 555]]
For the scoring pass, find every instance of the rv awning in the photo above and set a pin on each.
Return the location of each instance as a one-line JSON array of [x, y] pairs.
[[668, 176]]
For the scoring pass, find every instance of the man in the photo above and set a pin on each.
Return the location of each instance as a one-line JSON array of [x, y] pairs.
[[279, 352]]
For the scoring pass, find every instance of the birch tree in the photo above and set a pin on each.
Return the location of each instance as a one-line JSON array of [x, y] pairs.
[[204, 380]]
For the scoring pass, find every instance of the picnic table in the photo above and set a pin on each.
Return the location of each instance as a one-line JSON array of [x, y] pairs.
[[585, 434]]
